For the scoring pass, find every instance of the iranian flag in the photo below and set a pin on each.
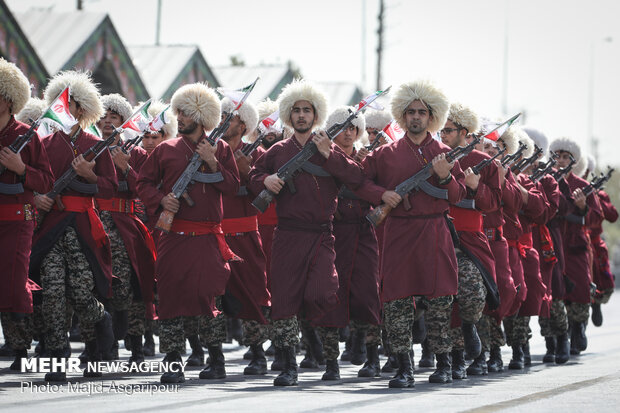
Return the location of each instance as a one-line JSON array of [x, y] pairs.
[[394, 131], [57, 116], [160, 120], [137, 123], [370, 99], [269, 122], [237, 96], [499, 130], [94, 130]]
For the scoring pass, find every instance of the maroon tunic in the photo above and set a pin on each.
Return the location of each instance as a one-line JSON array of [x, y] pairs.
[[576, 254], [248, 278], [418, 254], [357, 264], [16, 236], [603, 278], [190, 269], [267, 222], [61, 153], [303, 275], [132, 230]]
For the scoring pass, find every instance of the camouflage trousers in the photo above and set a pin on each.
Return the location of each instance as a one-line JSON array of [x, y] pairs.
[[255, 332], [490, 333], [136, 318], [578, 312], [66, 277], [517, 330], [285, 332], [330, 337], [398, 320], [373, 332], [604, 297], [472, 293], [437, 318], [557, 323], [122, 293], [17, 330], [213, 329], [172, 334]]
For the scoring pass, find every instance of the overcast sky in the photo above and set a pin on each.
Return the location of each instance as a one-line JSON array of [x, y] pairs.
[[552, 47]]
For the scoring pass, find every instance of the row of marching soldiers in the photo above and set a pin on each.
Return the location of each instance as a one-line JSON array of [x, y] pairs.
[[478, 244]]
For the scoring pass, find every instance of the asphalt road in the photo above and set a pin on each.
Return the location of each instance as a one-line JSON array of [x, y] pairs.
[[590, 381]]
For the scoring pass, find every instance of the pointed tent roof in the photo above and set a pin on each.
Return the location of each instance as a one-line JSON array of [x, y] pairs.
[[87, 41], [166, 68], [272, 79], [15, 47]]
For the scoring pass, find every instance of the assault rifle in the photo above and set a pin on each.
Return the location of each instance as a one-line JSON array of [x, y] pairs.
[[293, 165], [512, 158], [22, 140], [598, 182], [249, 149], [418, 181], [524, 163], [179, 189], [483, 164], [544, 169], [562, 172]]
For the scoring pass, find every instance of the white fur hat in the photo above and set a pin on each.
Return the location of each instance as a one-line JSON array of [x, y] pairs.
[[118, 104], [302, 90], [511, 139], [247, 113], [591, 163], [566, 145], [463, 116], [33, 110], [199, 102], [341, 114], [426, 92], [170, 129], [266, 108], [539, 138], [580, 167], [83, 91], [524, 138], [377, 119], [14, 86]]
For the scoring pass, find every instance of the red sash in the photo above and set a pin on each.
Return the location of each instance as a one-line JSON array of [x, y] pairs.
[[231, 226], [494, 234], [195, 228], [86, 204], [546, 244], [16, 212], [468, 220], [269, 217], [116, 205]]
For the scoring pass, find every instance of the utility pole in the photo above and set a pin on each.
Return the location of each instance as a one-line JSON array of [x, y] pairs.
[[363, 54], [380, 42], [158, 25], [79, 4]]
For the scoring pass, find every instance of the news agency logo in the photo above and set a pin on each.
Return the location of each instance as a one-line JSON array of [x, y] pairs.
[[72, 365]]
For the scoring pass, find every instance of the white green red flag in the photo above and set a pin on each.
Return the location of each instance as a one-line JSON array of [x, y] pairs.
[[499, 130], [394, 131], [160, 120], [270, 123], [94, 130], [238, 96], [138, 122], [370, 100], [57, 116]]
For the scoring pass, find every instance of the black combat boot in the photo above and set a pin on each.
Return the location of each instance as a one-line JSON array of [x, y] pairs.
[[216, 367], [549, 356], [428, 358], [288, 377], [197, 358], [40, 349], [316, 347], [371, 367], [19, 356], [597, 315], [271, 350], [579, 336], [478, 367], [236, 330], [6, 351], [248, 355], [495, 363], [58, 375], [137, 350], [562, 349], [149, 344], [105, 334], [443, 373], [175, 373], [93, 356], [84, 355], [332, 371], [418, 331], [404, 375], [458, 365], [358, 347], [527, 357], [308, 362], [517, 362], [346, 354], [258, 364], [278, 360], [120, 324], [473, 346]]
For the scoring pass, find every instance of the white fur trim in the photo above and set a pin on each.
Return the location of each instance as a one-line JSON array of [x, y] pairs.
[[14, 85], [426, 92], [566, 145], [302, 90], [591, 163], [580, 167], [266, 108], [341, 114], [33, 110], [170, 129], [83, 90], [117, 103], [377, 119], [247, 113], [199, 102], [463, 116], [511, 139], [523, 137]]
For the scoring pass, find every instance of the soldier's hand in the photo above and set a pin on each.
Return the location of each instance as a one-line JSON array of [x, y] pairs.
[[12, 161], [391, 198], [43, 202], [273, 183], [323, 143], [170, 203], [120, 158], [441, 166], [579, 198], [84, 168], [361, 154], [207, 153], [243, 163], [471, 179], [501, 171]]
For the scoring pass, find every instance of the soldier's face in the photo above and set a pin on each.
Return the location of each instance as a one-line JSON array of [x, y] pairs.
[[186, 125], [151, 140], [110, 121], [347, 137], [417, 117], [302, 116], [5, 106], [75, 109], [563, 159], [451, 134], [491, 150], [236, 128]]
